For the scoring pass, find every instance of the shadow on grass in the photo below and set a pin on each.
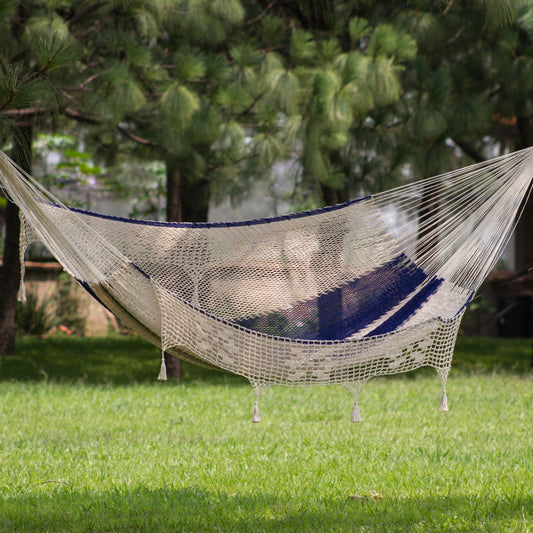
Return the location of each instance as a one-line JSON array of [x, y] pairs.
[[197, 510], [95, 360], [125, 360]]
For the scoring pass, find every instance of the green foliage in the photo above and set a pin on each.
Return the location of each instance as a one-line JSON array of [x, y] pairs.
[[52, 52], [427, 124], [499, 12], [19, 89], [267, 148], [386, 40], [141, 181], [336, 84], [440, 90], [7, 5], [190, 67], [43, 26], [73, 164], [32, 63], [283, 84], [358, 28], [303, 47], [525, 21], [70, 313], [205, 23], [41, 315], [77, 162], [319, 85], [36, 315], [178, 106]]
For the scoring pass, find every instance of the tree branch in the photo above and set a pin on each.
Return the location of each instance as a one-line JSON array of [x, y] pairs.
[[136, 138], [469, 150], [263, 13], [28, 112], [81, 117], [448, 7], [31, 113], [248, 110], [456, 36], [88, 119], [95, 6]]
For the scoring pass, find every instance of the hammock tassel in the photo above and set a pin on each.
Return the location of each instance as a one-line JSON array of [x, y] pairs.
[[256, 418], [163, 370], [356, 413], [21, 294], [25, 238], [443, 374], [443, 401]]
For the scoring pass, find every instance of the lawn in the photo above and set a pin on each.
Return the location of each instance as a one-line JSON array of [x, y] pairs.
[[92, 442]]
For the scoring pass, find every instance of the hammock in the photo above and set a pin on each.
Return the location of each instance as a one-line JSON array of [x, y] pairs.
[[372, 287]]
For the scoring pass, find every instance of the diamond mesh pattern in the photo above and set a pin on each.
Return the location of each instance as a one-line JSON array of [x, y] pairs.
[[339, 295]]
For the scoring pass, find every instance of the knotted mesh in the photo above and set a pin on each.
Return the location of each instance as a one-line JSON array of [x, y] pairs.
[[376, 286]]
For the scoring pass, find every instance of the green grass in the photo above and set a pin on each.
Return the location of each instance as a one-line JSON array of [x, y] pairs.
[[89, 441]]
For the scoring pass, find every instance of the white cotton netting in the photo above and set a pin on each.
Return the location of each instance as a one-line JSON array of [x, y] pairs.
[[373, 287]]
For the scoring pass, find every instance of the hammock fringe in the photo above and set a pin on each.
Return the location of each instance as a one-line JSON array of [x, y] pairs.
[[356, 413], [443, 374], [443, 402], [163, 370], [256, 418]]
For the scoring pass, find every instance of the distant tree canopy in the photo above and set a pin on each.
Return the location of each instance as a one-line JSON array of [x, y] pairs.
[[220, 90], [357, 95]]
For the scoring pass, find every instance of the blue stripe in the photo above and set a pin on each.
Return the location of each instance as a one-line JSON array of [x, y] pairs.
[[87, 287], [346, 310], [282, 335], [139, 269], [408, 310], [466, 304], [251, 222]]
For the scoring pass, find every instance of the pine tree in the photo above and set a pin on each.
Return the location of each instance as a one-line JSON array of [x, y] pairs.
[[65, 61], [329, 71], [29, 62]]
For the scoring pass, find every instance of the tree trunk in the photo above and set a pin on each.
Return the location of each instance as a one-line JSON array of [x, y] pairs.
[[187, 201], [195, 200], [174, 194], [332, 196], [428, 218], [10, 270], [428, 213], [525, 134], [174, 214]]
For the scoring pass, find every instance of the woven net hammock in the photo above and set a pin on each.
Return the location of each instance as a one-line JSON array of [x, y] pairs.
[[372, 287]]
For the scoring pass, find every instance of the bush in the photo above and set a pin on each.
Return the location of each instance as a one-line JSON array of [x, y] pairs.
[[69, 310], [39, 316], [36, 316]]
